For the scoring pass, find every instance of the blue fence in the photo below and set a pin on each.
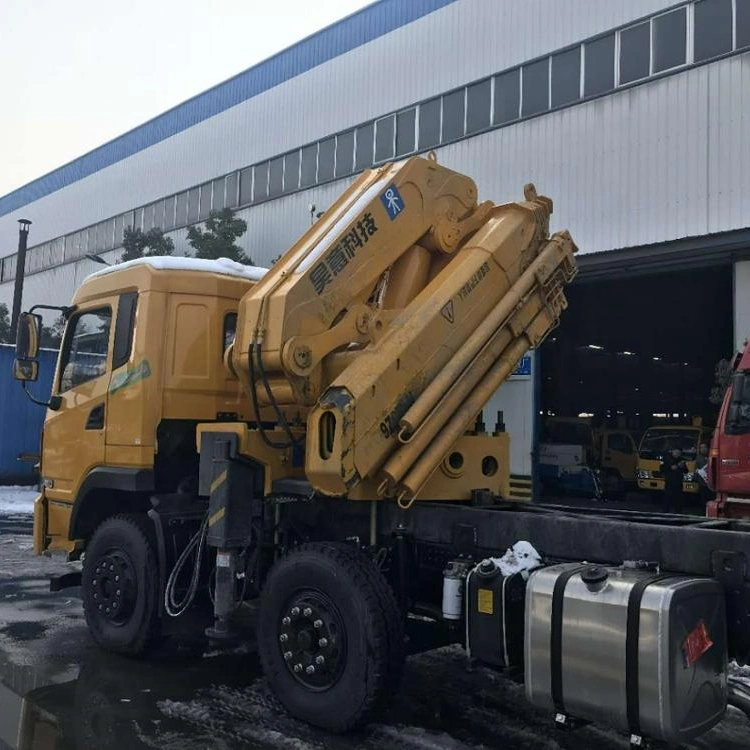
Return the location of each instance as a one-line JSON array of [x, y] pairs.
[[20, 419]]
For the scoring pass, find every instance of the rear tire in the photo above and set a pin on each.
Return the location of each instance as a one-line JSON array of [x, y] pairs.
[[330, 635], [120, 586]]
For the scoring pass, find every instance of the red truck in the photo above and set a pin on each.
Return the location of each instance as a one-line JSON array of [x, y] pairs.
[[729, 458]]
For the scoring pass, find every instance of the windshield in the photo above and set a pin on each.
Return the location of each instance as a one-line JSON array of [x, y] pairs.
[[567, 433], [656, 443]]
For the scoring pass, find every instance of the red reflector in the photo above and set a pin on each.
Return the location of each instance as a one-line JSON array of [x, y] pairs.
[[696, 644]]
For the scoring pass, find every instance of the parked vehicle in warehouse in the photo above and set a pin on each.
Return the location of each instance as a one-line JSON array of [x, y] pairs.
[[576, 458], [655, 446], [323, 467]]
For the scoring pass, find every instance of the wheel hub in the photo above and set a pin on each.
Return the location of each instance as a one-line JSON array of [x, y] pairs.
[[113, 588], [312, 640]]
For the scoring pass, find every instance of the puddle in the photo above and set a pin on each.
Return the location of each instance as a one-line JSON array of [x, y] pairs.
[[23, 631]]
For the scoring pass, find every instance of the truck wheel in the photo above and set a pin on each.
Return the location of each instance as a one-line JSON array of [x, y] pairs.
[[120, 586], [330, 635]]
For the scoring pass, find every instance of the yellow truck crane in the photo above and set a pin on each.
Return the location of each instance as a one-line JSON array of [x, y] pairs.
[[302, 441]]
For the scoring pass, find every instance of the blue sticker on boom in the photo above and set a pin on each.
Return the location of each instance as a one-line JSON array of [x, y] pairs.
[[393, 202]]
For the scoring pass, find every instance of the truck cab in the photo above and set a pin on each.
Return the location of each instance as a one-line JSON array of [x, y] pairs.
[[729, 457], [656, 443], [126, 396]]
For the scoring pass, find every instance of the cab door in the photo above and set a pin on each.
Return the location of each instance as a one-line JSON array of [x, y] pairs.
[[734, 456], [74, 433], [619, 454]]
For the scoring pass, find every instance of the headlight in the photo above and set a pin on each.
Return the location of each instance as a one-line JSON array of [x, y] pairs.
[[643, 474]]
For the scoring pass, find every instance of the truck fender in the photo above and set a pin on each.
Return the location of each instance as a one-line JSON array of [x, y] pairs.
[[89, 509]]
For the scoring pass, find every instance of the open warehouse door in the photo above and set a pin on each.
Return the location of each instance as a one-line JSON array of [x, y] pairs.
[[633, 351]]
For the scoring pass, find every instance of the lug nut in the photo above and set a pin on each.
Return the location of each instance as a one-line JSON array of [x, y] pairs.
[[93, 583], [288, 655], [286, 621], [307, 612], [101, 607], [117, 579], [318, 624], [96, 596], [283, 638], [117, 593], [323, 642], [112, 568], [294, 611], [297, 668], [310, 669], [320, 660], [107, 610]]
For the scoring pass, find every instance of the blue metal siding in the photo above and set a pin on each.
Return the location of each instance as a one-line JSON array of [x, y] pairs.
[[21, 419], [358, 29]]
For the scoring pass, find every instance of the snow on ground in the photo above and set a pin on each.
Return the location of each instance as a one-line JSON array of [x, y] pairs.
[[16, 499]]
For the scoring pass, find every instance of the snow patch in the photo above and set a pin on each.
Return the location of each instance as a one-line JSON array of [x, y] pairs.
[[17, 499], [178, 263], [520, 558]]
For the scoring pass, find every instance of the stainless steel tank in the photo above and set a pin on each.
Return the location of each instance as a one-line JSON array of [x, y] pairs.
[[660, 671]]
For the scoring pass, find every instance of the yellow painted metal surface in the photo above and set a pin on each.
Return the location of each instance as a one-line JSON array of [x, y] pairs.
[[40, 524]]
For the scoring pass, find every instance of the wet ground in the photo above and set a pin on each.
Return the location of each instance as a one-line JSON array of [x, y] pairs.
[[58, 691]]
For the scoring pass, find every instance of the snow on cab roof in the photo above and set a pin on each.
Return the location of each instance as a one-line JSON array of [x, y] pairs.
[[177, 263]]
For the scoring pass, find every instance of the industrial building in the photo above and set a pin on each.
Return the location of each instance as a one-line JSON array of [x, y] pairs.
[[634, 117]]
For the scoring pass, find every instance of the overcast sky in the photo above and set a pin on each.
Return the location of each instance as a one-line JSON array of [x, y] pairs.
[[76, 73]]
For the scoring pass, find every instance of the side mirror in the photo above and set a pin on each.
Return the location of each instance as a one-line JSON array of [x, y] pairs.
[[25, 369], [28, 337]]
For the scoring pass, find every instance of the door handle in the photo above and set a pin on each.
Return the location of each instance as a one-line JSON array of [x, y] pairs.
[[95, 420]]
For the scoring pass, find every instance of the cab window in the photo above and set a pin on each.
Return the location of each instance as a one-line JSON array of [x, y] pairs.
[[85, 350], [738, 416], [230, 329]]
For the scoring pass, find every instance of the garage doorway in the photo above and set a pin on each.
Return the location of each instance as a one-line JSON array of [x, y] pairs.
[[638, 350]]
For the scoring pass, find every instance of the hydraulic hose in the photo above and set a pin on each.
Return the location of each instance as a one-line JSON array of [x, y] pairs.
[[172, 605]]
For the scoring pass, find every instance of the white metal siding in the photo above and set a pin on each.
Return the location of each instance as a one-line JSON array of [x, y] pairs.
[[462, 42]]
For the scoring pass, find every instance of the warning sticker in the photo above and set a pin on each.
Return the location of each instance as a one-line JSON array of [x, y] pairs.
[[696, 644], [485, 601]]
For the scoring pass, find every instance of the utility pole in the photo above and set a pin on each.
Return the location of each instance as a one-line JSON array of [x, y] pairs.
[[23, 237]]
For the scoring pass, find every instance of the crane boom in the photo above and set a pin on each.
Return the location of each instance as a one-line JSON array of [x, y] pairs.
[[391, 322]]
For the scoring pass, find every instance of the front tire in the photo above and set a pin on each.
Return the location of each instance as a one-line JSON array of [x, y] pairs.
[[330, 635], [120, 586]]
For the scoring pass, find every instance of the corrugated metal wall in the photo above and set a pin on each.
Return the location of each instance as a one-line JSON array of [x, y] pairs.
[[461, 42], [21, 419]]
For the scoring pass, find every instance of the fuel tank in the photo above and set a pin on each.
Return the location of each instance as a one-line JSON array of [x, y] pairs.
[[641, 651]]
